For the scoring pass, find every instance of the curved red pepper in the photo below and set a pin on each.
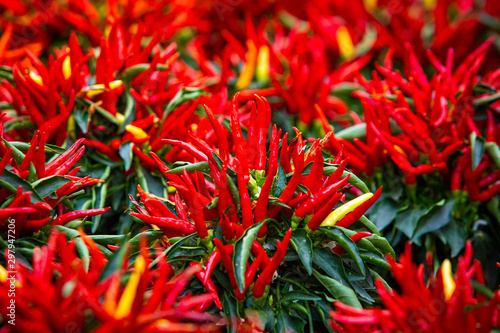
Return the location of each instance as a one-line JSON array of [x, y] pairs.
[[266, 276], [355, 215]]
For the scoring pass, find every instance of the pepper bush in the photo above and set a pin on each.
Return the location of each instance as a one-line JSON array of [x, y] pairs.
[[253, 166]]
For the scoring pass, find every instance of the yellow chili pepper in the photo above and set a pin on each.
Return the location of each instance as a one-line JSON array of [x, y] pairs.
[[37, 78], [262, 71], [3, 274], [249, 70], [346, 46], [137, 132], [345, 209], [97, 89], [66, 67], [448, 282], [128, 296]]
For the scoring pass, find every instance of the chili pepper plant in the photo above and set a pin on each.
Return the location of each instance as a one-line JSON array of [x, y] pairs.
[[253, 166]]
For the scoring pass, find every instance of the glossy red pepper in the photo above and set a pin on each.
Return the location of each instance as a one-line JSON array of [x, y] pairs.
[[359, 211], [320, 215], [356, 237], [60, 220], [260, 210], [313, 202], [266, 275], [225, 256]]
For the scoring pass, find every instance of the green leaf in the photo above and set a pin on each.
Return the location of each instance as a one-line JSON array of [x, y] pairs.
[[455, 236], [116, 262], [369, 225], [82, 119], [352, 132], [354, 180], [99, 201], [11, 182], [339, 291], [190, 167], [128, 115], [230, 311], [382, 244], [385, 213], [303, 245], [407, 220], [107, 239], [151, 235], [374, 259], [83, 252], [347, 244], [279, 183], [242, 252], [49, 185], [477, 146], [24, 146], [331, 264], [434, 219], [298, 295], [125, 153], [287, 323], [185, 95], [493, 151]]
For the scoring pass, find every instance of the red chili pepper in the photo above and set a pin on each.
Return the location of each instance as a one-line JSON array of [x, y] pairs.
[[163, 168], [28, 158], [260, 210], [246, 205], [40, 155], [212, 262], [337, 173], [257, 250], [490, 129], [443, 156], [63, 157], [226, 228], [313, 202], [313, 180], [223, 145], [284, 156], [146, 161], [294, 181], [266, 276], [263, 120], [356, 237], [200, 156], [5, 160], [10, 211], [239, 142], [489, 179], [225, 197], [102, 148], [319, 216], [252, 137], [167, 223], [249, 277], [207, 282], [60, 220], [225, 256], [487, 194], [69, 163], [196, 207], [179, 207], [356, 214]]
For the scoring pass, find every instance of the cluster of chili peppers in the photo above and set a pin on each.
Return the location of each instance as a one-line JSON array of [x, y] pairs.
[[429, 301], [29, 196], [235, 188], [64, 286], [419, 123]]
